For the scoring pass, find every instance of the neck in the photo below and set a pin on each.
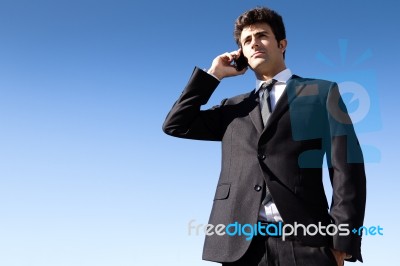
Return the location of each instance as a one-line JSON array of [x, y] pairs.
[[267, 75]]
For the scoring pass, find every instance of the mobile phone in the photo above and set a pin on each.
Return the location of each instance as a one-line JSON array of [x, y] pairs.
[[241, 62]]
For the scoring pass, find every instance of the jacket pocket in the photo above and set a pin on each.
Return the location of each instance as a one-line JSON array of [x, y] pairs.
[[222, 191]]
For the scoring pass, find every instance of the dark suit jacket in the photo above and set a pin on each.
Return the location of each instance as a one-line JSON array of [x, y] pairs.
[[309, 121]]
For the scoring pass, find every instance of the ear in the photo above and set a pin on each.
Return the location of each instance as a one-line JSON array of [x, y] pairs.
[[283, 45], [241, 51]]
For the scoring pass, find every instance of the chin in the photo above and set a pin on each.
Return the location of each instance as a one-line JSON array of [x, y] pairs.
[[256, 66], [258, 62]]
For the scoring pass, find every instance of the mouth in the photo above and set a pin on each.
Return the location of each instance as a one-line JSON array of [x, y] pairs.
[[257, 53]]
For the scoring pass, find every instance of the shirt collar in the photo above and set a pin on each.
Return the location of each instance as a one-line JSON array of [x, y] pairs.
[[281, 77]]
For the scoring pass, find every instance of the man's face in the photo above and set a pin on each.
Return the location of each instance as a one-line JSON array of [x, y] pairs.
[[260, 47]]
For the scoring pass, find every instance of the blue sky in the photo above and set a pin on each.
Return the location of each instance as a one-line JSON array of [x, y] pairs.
[[87, 177]]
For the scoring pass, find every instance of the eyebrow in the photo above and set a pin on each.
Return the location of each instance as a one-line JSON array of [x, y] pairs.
[[258, 33]]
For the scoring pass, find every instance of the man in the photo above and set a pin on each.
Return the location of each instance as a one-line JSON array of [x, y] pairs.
[[274, 139]]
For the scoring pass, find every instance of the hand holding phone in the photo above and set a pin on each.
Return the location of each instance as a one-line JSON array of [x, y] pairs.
[[241, 62], [228, 64]]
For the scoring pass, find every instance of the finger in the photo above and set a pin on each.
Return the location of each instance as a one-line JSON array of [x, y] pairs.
[[224, 58], [230, 56], [237, 52]]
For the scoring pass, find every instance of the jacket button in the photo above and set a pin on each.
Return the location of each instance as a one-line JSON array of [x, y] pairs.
[[257, 188], [261, 156]]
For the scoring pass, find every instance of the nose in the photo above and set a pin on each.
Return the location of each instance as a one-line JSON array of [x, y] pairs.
[[254, 43]]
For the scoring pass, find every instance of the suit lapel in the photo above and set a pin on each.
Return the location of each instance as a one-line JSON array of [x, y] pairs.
[[255, 113]]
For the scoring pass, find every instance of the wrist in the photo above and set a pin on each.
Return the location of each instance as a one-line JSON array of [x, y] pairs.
[[215, 74]]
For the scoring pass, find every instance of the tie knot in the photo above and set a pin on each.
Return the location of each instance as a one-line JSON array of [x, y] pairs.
[[268, 85]]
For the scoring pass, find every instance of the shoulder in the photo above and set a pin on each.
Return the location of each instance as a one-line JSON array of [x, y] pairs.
[[309, 86], [240, 98], [321, 82]]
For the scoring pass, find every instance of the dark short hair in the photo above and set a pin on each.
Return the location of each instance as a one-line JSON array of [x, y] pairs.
[[260, 15]]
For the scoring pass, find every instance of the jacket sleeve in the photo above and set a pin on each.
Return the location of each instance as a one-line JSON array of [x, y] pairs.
[[186, 119], [347, 174]]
